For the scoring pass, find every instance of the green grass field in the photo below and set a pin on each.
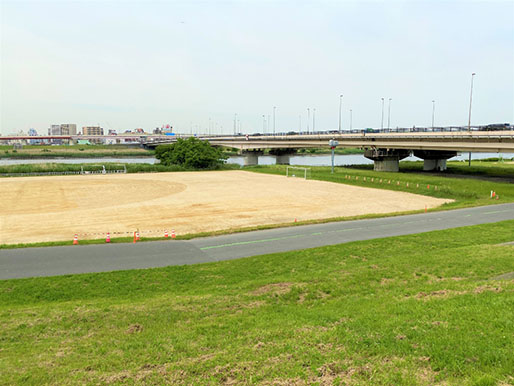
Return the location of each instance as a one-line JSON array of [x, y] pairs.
[[420, 309], [466, 192]]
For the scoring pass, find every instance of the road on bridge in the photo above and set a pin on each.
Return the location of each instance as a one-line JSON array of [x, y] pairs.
[[50, 261]]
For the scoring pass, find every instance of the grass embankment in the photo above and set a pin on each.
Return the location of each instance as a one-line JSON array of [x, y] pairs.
[[63, 168], [478, 169], [418, 309], [75, 151]]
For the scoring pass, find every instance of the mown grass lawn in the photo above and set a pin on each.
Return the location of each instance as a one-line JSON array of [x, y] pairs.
[[465, 192], [419, 309]]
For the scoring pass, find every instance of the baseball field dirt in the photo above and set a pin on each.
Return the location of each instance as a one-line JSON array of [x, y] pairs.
[[36, 209]]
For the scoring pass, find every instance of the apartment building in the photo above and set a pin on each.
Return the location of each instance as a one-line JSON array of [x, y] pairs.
[[92, 130]]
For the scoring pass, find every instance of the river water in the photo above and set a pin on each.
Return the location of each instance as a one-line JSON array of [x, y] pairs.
[[306, 160]]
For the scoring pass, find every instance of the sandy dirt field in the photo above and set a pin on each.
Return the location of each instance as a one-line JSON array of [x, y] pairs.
[[36, 209]]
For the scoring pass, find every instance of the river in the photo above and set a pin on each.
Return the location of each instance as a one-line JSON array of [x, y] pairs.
[[304, 160]]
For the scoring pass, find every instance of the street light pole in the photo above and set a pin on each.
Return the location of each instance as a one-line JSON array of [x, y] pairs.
[[433, 114], [274, 108], [350, 119], [469, 118], [389, 115], [340, 105], [308, 118], [313, 120], [263, 123], [382, 122]]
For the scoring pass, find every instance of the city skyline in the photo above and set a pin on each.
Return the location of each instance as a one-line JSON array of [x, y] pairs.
[[123, 65]]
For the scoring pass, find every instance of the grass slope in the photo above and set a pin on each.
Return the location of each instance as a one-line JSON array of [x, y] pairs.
[[417, 309]]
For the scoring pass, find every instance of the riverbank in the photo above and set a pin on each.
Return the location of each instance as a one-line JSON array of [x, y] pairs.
[[75, 151], [370, 312]]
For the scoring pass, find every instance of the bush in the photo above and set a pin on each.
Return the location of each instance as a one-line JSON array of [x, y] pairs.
[[190, 153]]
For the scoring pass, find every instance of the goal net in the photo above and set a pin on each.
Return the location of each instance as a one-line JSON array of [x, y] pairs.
[[295, 171]]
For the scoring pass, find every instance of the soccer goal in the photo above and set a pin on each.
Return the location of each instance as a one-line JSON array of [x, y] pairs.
[[296, 171]]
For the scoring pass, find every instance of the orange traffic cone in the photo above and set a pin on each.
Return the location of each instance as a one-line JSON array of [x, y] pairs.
[[425, 209], [75, 239], [173, 234], [108, 238], [166, 234], [134, 238]]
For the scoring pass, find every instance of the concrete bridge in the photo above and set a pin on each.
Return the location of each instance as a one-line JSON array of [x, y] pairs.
[[385, 149]]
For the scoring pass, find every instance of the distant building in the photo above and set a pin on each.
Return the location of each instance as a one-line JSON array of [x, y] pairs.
[[63, 129], [33, 133], [92, 130], [112, 132], [55, 130], [68, 129]]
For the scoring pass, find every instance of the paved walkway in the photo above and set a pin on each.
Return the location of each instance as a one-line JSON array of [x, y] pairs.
[[50, 261]]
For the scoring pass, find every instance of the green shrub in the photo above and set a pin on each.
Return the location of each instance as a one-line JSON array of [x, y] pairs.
[[191, 153]]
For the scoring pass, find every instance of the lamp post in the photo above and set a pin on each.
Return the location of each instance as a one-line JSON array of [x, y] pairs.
[[469, 118], [263, 123], [274, 108], [350, 119], [389, 115], [235, 123], [313, 120], [382, 122], [308, 118], [433, 114], [340, 105]]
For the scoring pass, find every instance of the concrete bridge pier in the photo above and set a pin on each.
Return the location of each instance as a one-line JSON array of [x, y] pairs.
[[252, 157], [434, 159], [282, 156], [386, 160]]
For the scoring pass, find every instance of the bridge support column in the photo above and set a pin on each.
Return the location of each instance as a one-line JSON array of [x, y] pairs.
[[434, 159], [386, 160], [252, 157], [282, 155]]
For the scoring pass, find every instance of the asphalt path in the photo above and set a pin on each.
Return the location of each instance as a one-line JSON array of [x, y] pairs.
[[51, 261]]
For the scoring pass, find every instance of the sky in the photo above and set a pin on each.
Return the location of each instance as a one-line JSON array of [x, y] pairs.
[[195, 64]]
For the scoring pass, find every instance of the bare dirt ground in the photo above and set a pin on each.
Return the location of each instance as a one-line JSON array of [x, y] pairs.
[[34, 209]]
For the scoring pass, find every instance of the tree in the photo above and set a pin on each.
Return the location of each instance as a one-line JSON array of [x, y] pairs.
[[190, 153]]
